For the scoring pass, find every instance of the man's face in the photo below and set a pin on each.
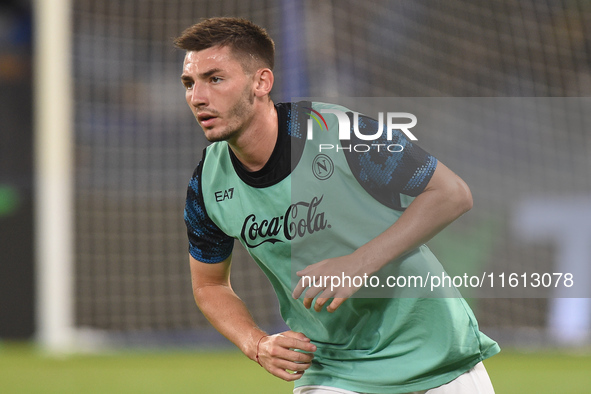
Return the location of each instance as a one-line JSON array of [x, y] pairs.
[[219, 92]]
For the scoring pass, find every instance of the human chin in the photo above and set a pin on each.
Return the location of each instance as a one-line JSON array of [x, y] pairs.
[[213, 135]]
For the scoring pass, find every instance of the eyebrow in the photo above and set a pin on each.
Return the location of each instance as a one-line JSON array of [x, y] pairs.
[[203, 75]]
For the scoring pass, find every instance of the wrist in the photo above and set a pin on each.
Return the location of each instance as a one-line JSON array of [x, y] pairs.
[[251, 346], [371, 259], [258, 349]]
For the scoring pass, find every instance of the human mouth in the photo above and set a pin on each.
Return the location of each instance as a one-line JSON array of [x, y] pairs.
[[206, 119]]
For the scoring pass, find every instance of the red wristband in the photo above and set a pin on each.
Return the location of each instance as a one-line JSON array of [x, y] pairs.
[[258, 343]]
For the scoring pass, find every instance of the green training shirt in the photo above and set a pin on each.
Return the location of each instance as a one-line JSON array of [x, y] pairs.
[[382, 340]]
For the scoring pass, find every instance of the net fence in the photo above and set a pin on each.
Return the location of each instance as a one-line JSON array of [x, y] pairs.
[[137, 142]]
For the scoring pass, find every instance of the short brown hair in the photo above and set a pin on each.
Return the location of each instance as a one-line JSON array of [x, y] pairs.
[[241, 35]]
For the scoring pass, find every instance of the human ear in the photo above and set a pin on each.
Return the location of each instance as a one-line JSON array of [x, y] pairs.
[[264, 79]]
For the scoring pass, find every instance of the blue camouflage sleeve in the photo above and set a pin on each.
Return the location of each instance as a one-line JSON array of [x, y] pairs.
[[207, 242], [385, 173]]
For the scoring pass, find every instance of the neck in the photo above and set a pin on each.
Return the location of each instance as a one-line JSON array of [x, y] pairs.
[[254, 146]]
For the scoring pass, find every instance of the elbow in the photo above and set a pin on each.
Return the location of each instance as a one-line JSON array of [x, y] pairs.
[[453, 194], [462, 197], [205, 292]]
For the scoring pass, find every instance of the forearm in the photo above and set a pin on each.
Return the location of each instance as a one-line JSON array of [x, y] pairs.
[[445, 198], [277, 353], [230, 316], [429, 213]]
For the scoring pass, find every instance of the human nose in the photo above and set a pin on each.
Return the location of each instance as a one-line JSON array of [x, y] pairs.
[[197, 96]]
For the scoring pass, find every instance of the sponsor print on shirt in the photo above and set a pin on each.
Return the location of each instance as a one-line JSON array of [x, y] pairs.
[[300, 218]]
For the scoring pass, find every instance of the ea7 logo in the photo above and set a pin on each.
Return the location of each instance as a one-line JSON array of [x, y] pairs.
[[222, 195]]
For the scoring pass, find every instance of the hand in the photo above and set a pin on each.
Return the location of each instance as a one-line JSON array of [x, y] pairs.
[[334, 278], [276, 353]]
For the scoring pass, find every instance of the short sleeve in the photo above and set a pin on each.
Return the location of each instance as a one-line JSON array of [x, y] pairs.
[[207, 242], [390, 167]]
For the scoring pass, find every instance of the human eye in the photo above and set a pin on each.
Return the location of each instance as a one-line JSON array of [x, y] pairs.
[[216, 80], [188, 84]]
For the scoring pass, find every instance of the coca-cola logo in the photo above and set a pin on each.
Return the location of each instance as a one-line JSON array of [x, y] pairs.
[[300, 218]]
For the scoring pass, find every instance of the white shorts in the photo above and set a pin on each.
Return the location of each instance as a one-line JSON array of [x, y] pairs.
[[475, 381]]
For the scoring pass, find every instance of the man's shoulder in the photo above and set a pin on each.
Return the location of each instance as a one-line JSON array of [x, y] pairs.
[[307, 104], [212, 151], [303, 104], [325, 105]]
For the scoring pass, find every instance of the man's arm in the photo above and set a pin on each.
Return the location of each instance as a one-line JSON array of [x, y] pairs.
[[227, 313], [445, 198]]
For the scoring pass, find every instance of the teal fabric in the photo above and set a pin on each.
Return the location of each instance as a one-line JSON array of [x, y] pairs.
[[380, 341]]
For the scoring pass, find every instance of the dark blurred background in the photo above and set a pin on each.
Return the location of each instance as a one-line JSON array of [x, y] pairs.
[[16, 171], [136, 144]]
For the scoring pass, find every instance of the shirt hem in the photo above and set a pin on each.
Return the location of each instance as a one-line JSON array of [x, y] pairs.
[[426, 384]]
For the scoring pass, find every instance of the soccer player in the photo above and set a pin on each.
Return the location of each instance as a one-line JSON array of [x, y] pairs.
[[311, 215]]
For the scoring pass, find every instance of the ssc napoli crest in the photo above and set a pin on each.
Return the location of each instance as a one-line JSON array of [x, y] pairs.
[[322, 167]]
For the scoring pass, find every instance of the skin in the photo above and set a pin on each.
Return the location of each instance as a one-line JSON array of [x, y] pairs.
[[237, 98], [445, 198], [230, 100], [218, 85]]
